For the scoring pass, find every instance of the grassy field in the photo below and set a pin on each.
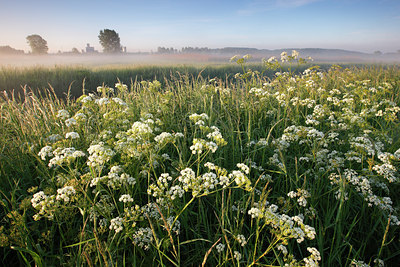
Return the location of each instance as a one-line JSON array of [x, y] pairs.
[[74, 78], [64, 78], [247, 166]]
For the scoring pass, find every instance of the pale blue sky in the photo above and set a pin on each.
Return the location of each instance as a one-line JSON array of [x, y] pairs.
[[361, 25]]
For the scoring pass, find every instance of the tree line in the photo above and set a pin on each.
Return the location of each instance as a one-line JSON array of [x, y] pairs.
[[108, 39]]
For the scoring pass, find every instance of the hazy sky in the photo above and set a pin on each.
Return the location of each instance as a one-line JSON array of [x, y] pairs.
[[361, 25]]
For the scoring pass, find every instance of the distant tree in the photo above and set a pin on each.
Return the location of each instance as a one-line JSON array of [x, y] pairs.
[[110, 41], [75, 50], [37, 44], [378, 52], [163, 50], [9, 50]]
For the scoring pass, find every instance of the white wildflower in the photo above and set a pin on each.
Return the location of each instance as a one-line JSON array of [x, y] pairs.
[[283, 249], [237, 255], [45, 152], [70, 122], [179, 135], [72, 135], [116, 224], [125, 198], [65, 193], [99, 154], [163, 138], [241, 239], [255, 213], [220, 247], [54, 138], [143, 238], [243, 167], [63, 114]]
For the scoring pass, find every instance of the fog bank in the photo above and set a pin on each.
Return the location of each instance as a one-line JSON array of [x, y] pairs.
[[131, 59]]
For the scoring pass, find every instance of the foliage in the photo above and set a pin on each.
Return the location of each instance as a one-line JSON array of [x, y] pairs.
[[37, 44], [10, 51], [299, 169], [110, 41]]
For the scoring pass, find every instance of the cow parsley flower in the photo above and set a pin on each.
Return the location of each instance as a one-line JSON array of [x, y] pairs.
[[70, 122], [99, 154], [255, 213], [122, 87], [86, 99], [125, 198], [240, 179], [220, 247], [116, 224], [54, 138], [243, 167], [163, 138], [72, 135], [64, 155], [65, 193], [176, 227], [284, 56], [241, 239], [45, 152], [102, 101], [295, 54], [197, 117], [119, 101], [283, 249], [237, 255], [179, 135], [143, 238], [63, 114]]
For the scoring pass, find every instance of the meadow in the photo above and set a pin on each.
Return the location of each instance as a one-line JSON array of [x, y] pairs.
[[276, 164]]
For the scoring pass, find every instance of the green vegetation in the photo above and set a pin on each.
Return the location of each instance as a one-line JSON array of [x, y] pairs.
[[295, 167], [63, 78]]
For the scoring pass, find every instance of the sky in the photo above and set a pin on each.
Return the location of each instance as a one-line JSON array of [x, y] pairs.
[[144, 25]]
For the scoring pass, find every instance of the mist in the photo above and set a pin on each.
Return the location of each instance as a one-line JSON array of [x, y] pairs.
[[220, 56]]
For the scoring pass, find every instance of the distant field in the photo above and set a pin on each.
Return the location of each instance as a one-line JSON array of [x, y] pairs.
[[102, 60], [240, 164], [73, 78], [72, 73]]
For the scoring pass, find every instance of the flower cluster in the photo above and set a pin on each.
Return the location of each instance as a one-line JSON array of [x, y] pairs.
[[65, 193], [65, 156], [63, 114], [72, 135], [162, 191], [220, 247], [99, 154], [313, 259], [116, 224], [301, 195], [283, 225], [198, 117], [45, 204], [46, 151], [114, 179], [200, 145], [143, 238]]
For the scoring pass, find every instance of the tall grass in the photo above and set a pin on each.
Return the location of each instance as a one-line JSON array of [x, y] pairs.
[[294, 168], [76, 78]]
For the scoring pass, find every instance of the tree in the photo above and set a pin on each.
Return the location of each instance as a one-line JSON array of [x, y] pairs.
[[110, 41], [9, 50], [37, 44]]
